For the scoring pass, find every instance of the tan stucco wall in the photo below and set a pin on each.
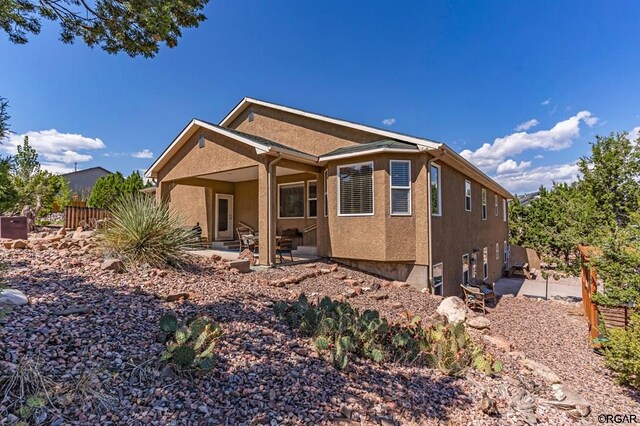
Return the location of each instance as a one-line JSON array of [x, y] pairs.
[[459, 231], [299, 132], [219, 154]]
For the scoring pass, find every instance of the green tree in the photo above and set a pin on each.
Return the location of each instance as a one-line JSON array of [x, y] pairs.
[[106, 190], [8, 193], [4, 118], [63, 197], [133, 183], [611, 175], [136, 27]]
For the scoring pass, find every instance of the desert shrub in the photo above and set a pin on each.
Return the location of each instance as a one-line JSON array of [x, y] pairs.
[[142, 231], [340, 331], [190, 345], [28, 390], [622, 352]]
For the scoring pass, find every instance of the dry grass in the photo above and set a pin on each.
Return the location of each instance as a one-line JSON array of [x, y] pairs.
[[26, 390]]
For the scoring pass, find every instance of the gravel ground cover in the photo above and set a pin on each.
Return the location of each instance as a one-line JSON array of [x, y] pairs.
[[266, 373]]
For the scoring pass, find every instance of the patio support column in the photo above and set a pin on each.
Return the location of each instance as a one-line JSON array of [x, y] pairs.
[[267, 212]]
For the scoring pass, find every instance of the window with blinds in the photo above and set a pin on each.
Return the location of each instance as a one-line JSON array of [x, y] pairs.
[[291, 200], [326, 193], [355, 189], [400, 176], [436, 195], [312, 198]]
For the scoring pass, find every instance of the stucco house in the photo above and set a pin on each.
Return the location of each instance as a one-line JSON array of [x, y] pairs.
[[401, 206]]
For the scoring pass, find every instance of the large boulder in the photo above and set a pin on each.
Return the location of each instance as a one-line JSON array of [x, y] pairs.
[[12, 297], [453, 308], [112, 265]]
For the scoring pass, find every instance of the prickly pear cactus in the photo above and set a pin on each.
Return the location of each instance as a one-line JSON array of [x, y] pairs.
[[169, 323]]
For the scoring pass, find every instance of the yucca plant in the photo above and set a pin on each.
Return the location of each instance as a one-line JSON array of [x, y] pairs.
[[142, 231]]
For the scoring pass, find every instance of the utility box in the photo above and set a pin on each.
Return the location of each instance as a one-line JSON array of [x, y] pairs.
[[14, 227]]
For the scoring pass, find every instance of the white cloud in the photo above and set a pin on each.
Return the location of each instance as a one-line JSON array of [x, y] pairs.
[[57, 168], [546, 101], [389, 121], [531, 180], [634, 134], [512, 166], [55, 149], [489, 156], [538, 157], [145, 153], [527, 125]]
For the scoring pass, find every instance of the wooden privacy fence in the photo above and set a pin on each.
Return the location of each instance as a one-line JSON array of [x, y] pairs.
[[74, 215], [598, 315]]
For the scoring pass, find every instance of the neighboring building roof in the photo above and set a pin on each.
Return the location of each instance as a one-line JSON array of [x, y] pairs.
[[525, 199], [86, 170], [385, 145]]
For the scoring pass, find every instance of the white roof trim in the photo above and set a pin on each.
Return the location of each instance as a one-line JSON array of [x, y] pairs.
[[371, 151], [226, 121], [194, 124]]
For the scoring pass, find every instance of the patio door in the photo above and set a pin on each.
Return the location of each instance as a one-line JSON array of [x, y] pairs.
[[224, 217]]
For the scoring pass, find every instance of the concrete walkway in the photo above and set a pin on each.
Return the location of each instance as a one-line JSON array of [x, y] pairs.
[[233, 255], [567, 287]]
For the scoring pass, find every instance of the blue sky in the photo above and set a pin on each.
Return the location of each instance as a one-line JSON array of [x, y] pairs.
[[466, 74]]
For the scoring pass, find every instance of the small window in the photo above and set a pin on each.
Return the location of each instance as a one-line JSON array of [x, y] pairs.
[[497, 251], [485, 262], [465, 269], [326, 193], [400, 176], [504, 210], [436, 191], [484, 204], [467, 195], [312, 198], [495, 199], [355, 189], [291, 200], [437, 279]]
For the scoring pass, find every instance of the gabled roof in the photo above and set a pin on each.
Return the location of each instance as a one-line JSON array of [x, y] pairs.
[[261, 145], [247, 102], [385, 145], [86, 170], [391, 142]]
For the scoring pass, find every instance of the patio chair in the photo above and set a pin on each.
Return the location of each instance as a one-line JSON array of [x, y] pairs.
[[474, 298], [243, 231], [486, 288], [249, 242], [284, 246]]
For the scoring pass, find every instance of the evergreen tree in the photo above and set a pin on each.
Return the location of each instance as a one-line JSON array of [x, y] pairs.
[[8, 193], [106, 190]]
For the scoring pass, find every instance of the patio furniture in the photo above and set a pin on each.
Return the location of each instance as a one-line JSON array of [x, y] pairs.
[[486, 288], [523, 270], [243, 231], [284, 246], [474, 297]]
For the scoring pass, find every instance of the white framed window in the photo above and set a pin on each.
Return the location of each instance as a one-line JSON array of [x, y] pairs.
[[495, 199], [504, 210], [467, 195], [465, 269], [497, 251], [291, 200], [355, 189], [400, 178], [312, 198], [485, 262], [438, 278], [436, 190], [326, 193], [484, 204]]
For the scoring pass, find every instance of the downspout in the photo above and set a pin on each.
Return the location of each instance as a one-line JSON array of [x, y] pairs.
[[269, 201], [439, 155]]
